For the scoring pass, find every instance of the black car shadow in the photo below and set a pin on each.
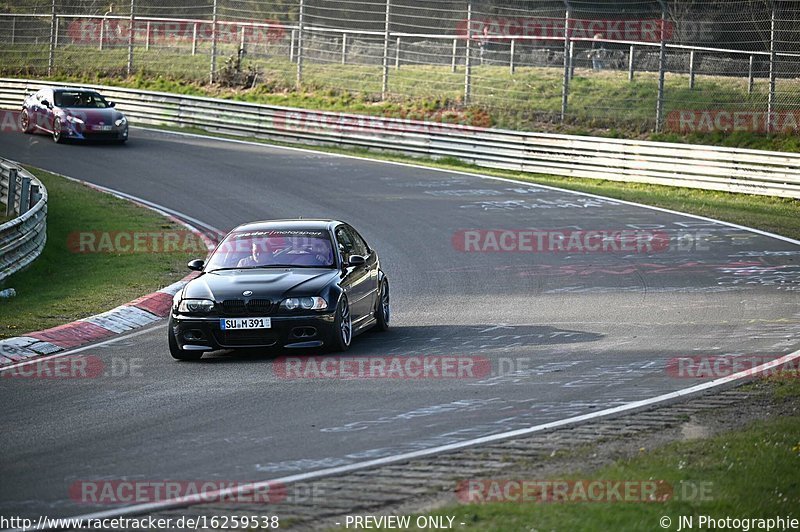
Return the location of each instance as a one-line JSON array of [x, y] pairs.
[[423, 340]]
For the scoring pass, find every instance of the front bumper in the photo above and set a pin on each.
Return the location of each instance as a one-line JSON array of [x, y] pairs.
[[82, 132], [296, 332]]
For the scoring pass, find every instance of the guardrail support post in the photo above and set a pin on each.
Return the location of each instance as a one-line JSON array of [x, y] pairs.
[[571, 60], [385, 80], [662, 64], [453, 60], [511, 58], [750, 76], [12, 189], [299, 78], [468, 57], [25, 195], [13, 29], [51, 59], [344, 48], [213, 74], [691, 70], [631, 56], [131, 34], [565, 83], [292, 38], [194, 38], [36, 195], [771, 97], [397, 55], [147, 38]]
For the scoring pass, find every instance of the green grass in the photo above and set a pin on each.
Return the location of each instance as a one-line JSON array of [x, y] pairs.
[[748, 473], [61, 286], [601, 103]]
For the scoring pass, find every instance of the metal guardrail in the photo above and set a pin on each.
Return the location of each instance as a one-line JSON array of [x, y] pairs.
[[685, 165], [22, 238]]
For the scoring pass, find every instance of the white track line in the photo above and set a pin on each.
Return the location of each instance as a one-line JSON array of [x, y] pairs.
[[249, 488]]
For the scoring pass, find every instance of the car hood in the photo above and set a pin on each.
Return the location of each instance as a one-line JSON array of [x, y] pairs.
[[94, 116], [274, 284]]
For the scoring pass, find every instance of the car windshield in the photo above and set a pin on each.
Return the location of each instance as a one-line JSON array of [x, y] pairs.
[[273, 249], [80, 99]]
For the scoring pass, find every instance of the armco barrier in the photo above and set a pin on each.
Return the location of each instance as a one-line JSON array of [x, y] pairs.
[[695, 166], [22, 238]]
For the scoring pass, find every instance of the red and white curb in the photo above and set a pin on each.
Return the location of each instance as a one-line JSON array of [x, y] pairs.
[[124, 318], [137, 313]]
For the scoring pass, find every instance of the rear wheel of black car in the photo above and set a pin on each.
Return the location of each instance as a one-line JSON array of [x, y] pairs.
[[176, 351], [25, 122], [342, 327], [57, 136], [383, 311]]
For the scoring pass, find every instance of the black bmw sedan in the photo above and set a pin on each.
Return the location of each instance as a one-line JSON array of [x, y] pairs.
[[282, 283]]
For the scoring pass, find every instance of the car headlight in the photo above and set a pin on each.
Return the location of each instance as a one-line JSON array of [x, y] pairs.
[[305, 303], [74, 119], [196, 306], [119, 122]]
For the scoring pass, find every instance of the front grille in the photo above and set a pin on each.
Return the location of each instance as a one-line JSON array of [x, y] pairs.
[[258, 307], [234, 307], [258, 337], [240, 307]]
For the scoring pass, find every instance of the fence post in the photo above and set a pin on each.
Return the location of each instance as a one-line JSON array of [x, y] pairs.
[[12, 189], [771, 97], [453, 60], [147, 38], [630, 64], [213, 74], [662, 60], [299, 50], [13, 29], [194, 38], [565, 83], [25, 195], [292, 38], [397, 55], [691, 70], [511, 58], [468, 57], [52, 56], [750, 76], [131, 34], [571, 60], [344, 48], [385, 81], [242, 42]]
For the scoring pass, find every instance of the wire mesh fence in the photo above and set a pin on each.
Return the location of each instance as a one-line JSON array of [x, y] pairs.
[[676, 65]]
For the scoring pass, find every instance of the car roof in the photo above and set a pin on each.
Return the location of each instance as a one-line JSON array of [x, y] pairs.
[[72, 89], [293, 224]]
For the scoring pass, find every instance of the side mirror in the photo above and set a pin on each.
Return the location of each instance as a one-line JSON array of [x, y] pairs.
[[47, 104], [356, 260], [112, 104], [196, 265]]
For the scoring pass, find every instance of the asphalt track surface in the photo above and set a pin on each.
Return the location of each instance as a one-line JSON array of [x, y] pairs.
[[566, 333]]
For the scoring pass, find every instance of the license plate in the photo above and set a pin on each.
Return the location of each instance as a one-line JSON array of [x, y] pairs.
[[103, 128], [230, 324]]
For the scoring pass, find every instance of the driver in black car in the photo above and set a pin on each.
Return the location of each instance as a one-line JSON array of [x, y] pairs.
[[258, 256]]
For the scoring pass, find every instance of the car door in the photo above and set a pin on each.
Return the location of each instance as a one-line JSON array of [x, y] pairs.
[[35, 109], [356, 278], [45, 112]]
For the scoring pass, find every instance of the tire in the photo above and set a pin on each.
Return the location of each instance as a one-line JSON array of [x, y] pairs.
[[342, 334], [25, 122], [58, 137], [382, 310], [175, 350]]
